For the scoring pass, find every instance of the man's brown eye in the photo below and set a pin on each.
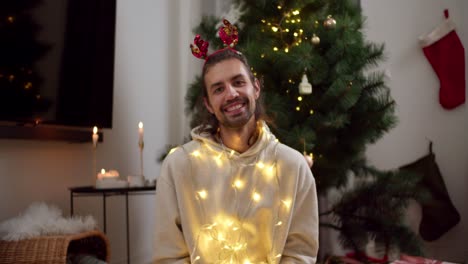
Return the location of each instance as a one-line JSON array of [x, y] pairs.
[[238, 83], [218, 90]]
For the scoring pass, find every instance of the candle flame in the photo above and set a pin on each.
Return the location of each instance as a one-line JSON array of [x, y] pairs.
[[140, 125], [103, 171], [95, 130]]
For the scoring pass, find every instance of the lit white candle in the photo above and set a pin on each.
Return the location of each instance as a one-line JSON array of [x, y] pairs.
[[95, 136], [101, 175], [140, 132], [108, 174]]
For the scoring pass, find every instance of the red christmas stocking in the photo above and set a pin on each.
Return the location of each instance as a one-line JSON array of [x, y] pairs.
[[445, 52]]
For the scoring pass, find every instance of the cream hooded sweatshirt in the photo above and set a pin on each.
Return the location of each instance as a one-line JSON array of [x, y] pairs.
[[214, 205]]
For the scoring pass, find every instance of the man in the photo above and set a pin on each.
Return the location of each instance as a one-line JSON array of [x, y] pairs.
[[234, 194]]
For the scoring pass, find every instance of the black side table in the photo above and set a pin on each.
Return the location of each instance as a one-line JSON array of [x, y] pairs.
[[104, 193]]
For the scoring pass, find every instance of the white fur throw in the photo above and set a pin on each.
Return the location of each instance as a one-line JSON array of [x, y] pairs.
[[41, 219]]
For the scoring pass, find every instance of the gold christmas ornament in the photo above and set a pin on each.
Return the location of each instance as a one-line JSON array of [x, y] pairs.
[[315, 40], [305, 87], [329, 23]]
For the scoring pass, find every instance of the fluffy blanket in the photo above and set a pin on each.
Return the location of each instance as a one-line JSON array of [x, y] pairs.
[[41, 219]]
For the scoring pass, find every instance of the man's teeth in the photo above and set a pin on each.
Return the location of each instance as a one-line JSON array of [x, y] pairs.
[[232, 108]]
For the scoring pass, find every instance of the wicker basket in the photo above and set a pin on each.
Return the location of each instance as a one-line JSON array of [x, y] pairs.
[[54, 249]]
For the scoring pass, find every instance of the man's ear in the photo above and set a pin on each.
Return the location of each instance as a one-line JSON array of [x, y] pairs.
[[257, 88], [207, 105]]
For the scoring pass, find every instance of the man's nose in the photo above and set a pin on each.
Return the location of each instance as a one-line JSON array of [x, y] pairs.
[[231, 92]]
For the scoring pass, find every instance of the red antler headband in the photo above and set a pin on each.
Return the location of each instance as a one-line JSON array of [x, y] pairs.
[[228, 34]]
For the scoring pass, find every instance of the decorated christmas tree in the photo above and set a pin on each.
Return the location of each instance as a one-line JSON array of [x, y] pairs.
[[20, 49], [327, 100]]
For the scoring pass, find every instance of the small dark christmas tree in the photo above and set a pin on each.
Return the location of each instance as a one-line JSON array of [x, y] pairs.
[[20, 97], [325, 98]]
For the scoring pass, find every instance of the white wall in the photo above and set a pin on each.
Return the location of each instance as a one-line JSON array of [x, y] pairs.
[[153, 67], [415, 87]]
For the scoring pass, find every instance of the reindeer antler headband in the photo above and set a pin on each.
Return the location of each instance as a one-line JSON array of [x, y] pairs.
[[228, 34]]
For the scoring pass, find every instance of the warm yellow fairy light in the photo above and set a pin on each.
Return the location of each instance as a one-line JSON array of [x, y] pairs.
[[298, 20], [202, 194], [261, 165], [263, 21], [172, 150], [293, 21], [218, 160], [229, 223], [278, 256], [279, 7], [286, 49], [246, 261], [287, 203], [301, 30], [311, 155], [270, 171], [262, 56], [299, 98], [275, 48], [290, 81], [298, 108], [256, 196], [238, 247], [196, 153], [295, 12], [196, 258], [311, 111], [274, 29], [287, 30], [279, 223], [238, 184], [295, 34], [211, 226], [232, 153], [10, 19]]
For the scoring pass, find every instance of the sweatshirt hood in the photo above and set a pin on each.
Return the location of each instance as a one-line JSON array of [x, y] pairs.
[[265, 137]]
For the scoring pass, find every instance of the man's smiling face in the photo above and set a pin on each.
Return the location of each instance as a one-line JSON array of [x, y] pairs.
[[231, 93]]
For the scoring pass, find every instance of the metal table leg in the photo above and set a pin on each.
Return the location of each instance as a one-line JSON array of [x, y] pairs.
[[128, 237], [104, 211]]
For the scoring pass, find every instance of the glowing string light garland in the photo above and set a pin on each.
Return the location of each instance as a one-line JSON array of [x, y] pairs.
[[229, 233]]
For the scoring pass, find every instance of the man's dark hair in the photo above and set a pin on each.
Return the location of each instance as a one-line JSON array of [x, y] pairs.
[[209, 122]]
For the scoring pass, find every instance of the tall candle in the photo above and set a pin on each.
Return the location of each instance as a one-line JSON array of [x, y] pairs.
[[95, 136], [140, 132]]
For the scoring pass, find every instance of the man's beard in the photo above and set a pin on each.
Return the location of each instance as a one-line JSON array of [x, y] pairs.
[[240, 120]]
